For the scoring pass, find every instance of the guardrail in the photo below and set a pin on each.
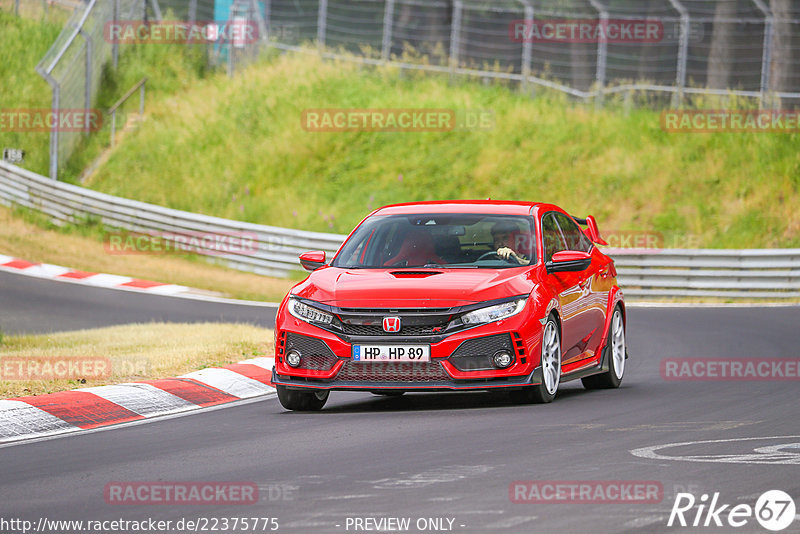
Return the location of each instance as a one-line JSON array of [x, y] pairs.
[[750, 273], [756, 274], [277, 248]]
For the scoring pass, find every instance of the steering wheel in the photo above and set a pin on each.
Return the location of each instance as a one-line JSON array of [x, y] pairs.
[[490, 253]]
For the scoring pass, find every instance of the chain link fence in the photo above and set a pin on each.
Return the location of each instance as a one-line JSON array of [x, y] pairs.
[[747, 48], [73, 66]]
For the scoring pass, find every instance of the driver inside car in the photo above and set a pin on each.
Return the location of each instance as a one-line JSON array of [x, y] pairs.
[[503, 236]]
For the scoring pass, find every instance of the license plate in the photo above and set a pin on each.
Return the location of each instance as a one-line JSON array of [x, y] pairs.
[[391, 353]]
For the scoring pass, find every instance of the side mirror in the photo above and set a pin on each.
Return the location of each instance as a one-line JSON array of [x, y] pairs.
[[311, 261], [568, 261]]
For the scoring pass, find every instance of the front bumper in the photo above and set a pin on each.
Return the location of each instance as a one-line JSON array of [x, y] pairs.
[[534, 378], [455, 365]]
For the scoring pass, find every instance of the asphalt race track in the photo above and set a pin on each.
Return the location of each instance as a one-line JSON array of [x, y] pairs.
[[443, 457], [31, 305]]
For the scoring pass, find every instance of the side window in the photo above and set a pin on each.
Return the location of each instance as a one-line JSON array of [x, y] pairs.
[[551, 237], [574, 236]]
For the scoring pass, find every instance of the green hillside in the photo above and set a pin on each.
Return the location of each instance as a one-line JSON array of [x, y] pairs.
[[237, 148]]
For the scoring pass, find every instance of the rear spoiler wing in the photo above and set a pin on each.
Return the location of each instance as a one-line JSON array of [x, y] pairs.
[[591, 229]]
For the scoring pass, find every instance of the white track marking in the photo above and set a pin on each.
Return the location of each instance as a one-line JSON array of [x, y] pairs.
[[105, 280], [19, 419], [266, 363], [79, 432], [143, 399], [45, 270], [230, 382], [767, 457]]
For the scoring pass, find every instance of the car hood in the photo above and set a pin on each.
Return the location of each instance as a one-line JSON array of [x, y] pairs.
[[387, 288]]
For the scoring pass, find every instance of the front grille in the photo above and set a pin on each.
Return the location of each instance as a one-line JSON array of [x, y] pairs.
[[413, 321], [393, 372], [314, 353], [476, 354], [377, 330]]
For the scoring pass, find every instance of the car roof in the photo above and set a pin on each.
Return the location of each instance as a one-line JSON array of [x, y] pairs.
[[500, 207]]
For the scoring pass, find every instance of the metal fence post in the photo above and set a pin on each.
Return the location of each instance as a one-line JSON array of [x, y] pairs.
[[115, 44], [322, 23], [267, 17], [263, 26], [683, 52], [388, 19], [16, 7], [766, 57], [602, 52], [156, 9], [455, 33], [87, 88], [192, 11], [54, 131]]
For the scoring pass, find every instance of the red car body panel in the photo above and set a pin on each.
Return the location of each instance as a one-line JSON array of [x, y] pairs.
[[582, 300]]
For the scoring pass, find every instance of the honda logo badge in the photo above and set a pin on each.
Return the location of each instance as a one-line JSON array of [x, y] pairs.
[[391, 324]]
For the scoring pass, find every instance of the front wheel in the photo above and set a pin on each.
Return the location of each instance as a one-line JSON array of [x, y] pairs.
[[302, 400], [551, 369], [616, 351]]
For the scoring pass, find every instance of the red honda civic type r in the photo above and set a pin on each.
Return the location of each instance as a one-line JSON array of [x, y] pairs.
[[454, 295]]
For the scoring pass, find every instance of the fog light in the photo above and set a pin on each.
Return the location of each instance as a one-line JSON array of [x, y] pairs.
[[293, 358], [503, 359]]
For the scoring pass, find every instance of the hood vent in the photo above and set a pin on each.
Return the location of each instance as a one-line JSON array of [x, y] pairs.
[[413, 274]]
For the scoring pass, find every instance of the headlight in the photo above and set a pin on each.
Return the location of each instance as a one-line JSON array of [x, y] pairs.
[[494, 313], [304, 312]]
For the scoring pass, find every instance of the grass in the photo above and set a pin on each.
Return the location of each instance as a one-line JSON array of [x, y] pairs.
[[136, 352], [28, 236]]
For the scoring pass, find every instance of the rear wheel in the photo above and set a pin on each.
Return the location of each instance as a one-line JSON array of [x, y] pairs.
[[615, 353], [551, 369], [302, 400]]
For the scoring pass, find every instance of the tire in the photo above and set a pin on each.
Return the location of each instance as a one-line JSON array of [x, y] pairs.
[[388, 393], [546, 391], [302, 400], [615, 353]]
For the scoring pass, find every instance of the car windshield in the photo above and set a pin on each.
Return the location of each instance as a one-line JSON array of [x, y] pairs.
[[487, 241]]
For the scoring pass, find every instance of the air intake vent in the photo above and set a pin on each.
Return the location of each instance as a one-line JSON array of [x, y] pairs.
[[413, 274]]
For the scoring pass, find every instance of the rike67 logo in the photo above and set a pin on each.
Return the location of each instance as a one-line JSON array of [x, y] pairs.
[[774, 510]]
